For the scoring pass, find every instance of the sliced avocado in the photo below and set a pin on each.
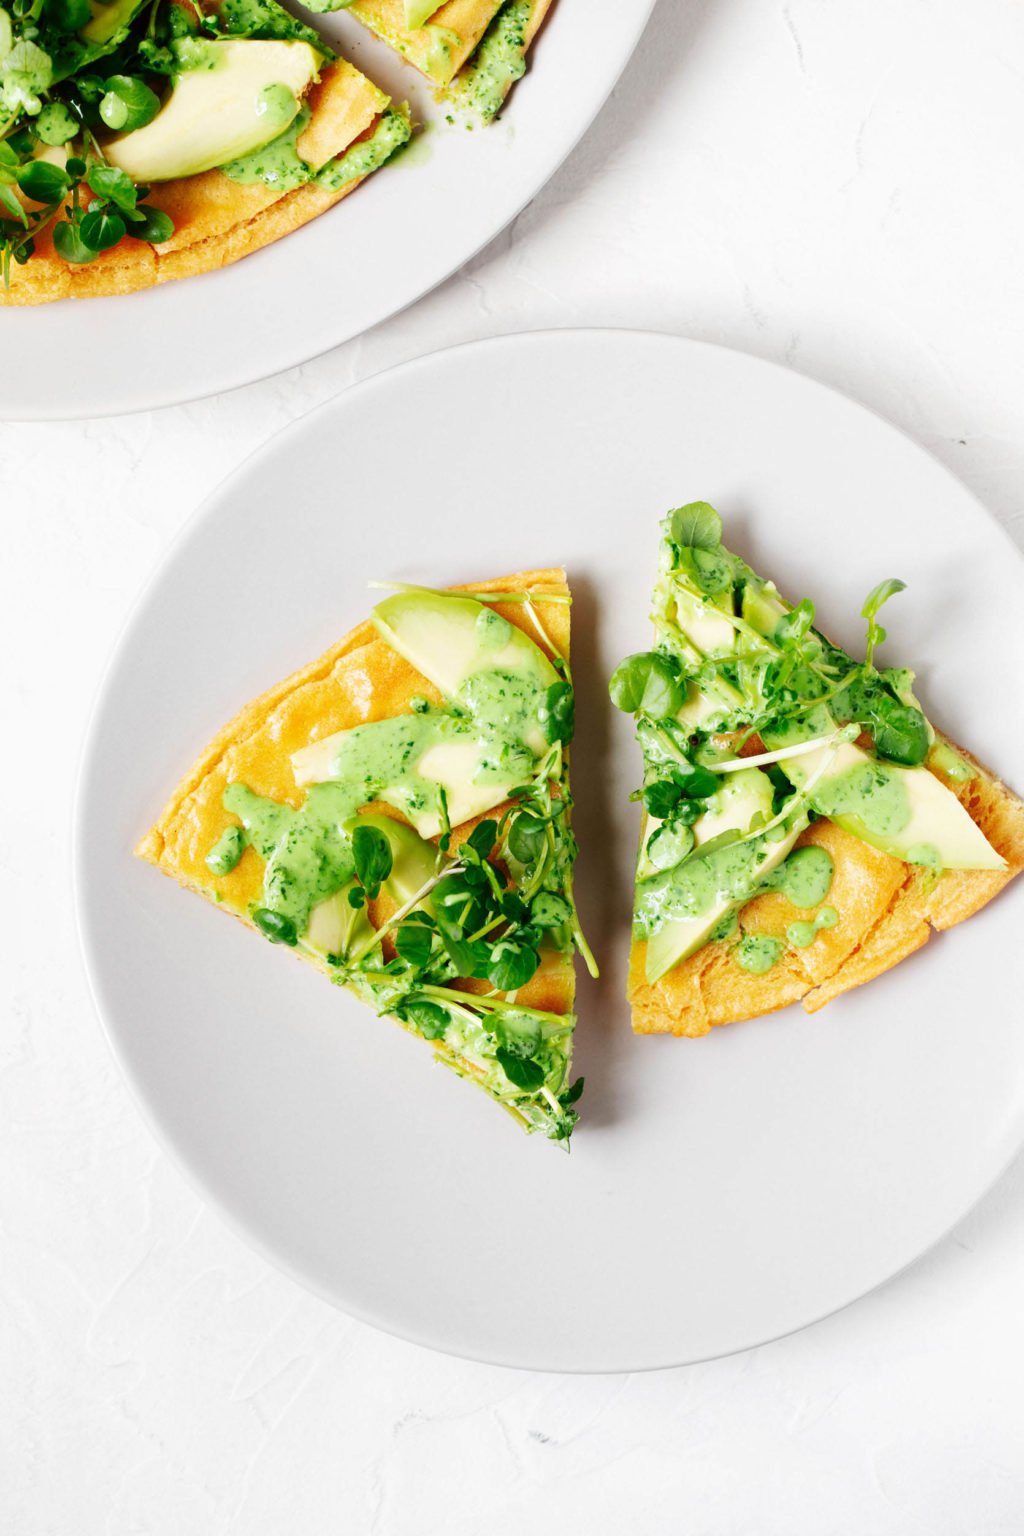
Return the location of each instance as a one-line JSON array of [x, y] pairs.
[[906, 812], [762, 607], [418, 12], [675, 941], [701, 620], [108, 19], [335, 926], [744, 794], [245, 94], [451, 639], [414, 861]]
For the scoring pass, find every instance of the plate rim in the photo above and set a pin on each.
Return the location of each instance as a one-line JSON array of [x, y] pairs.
[[179, 1156], [139, 397]]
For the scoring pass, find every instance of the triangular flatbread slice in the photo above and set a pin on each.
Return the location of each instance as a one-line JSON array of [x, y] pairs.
[[804, 827], [474, 49], [398, 814], [347, 129]]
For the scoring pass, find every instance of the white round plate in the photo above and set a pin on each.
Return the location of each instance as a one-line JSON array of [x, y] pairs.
[[719, 1192], [399, 235]]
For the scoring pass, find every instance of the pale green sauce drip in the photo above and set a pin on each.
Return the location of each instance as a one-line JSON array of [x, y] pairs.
[[278, 164], [196, 53], [872, 792], [492, 631], [926, 854], [226, 851], [257, 18], [757, 953], [498, 63], [699, 883], [308, 856], [730, 874], [801, 935], [804, 879], [391, 132], [951, 764]]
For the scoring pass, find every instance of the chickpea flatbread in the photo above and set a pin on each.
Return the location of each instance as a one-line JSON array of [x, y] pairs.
[[804, 826], [261, 130], [397, 813], [475, 50]]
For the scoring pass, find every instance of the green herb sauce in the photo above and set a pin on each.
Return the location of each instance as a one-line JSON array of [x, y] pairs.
[[727, 874], [368, 155], [757, 953], [308, 856], [951, 764], [498, 62], [804, 879], [278, 164], [730, 874], [872, 792], [801, 935], [226, 851]]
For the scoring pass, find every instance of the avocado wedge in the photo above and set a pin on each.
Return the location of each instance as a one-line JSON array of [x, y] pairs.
[[236, 97]]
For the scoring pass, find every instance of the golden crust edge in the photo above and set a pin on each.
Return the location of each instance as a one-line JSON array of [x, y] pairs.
[[918, 925], [141, 266]]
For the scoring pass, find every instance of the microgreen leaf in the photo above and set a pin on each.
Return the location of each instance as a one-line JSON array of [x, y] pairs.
[[151, 224], [55, 124], [901, 734], [275, 926], [128, 103], [414, 942], [115, 185], [482, 838], [371, 852], [470, 957], [875, 600], [559, 713], [647, 683], [13, 206], [429, 1019], [70, 246], [511, 965], [696, 526], [793, 626], [571, 1095], [549, 910], [100, 230], [521, 1071], [42, 182], [525, 837]]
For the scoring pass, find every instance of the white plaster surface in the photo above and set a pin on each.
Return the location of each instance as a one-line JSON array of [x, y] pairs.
[[831, 185]]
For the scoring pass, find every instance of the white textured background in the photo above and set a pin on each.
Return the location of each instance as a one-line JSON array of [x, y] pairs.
[[836, 186]]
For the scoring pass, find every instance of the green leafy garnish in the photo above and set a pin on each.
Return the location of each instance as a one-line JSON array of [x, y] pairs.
[[275, 926], [647, 683], [875, 599], [696, 526], [373, 859], [559, 715]]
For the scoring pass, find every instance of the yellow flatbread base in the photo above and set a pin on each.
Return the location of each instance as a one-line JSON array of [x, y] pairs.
[[358, 680], [887, 910], [216, 220]]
